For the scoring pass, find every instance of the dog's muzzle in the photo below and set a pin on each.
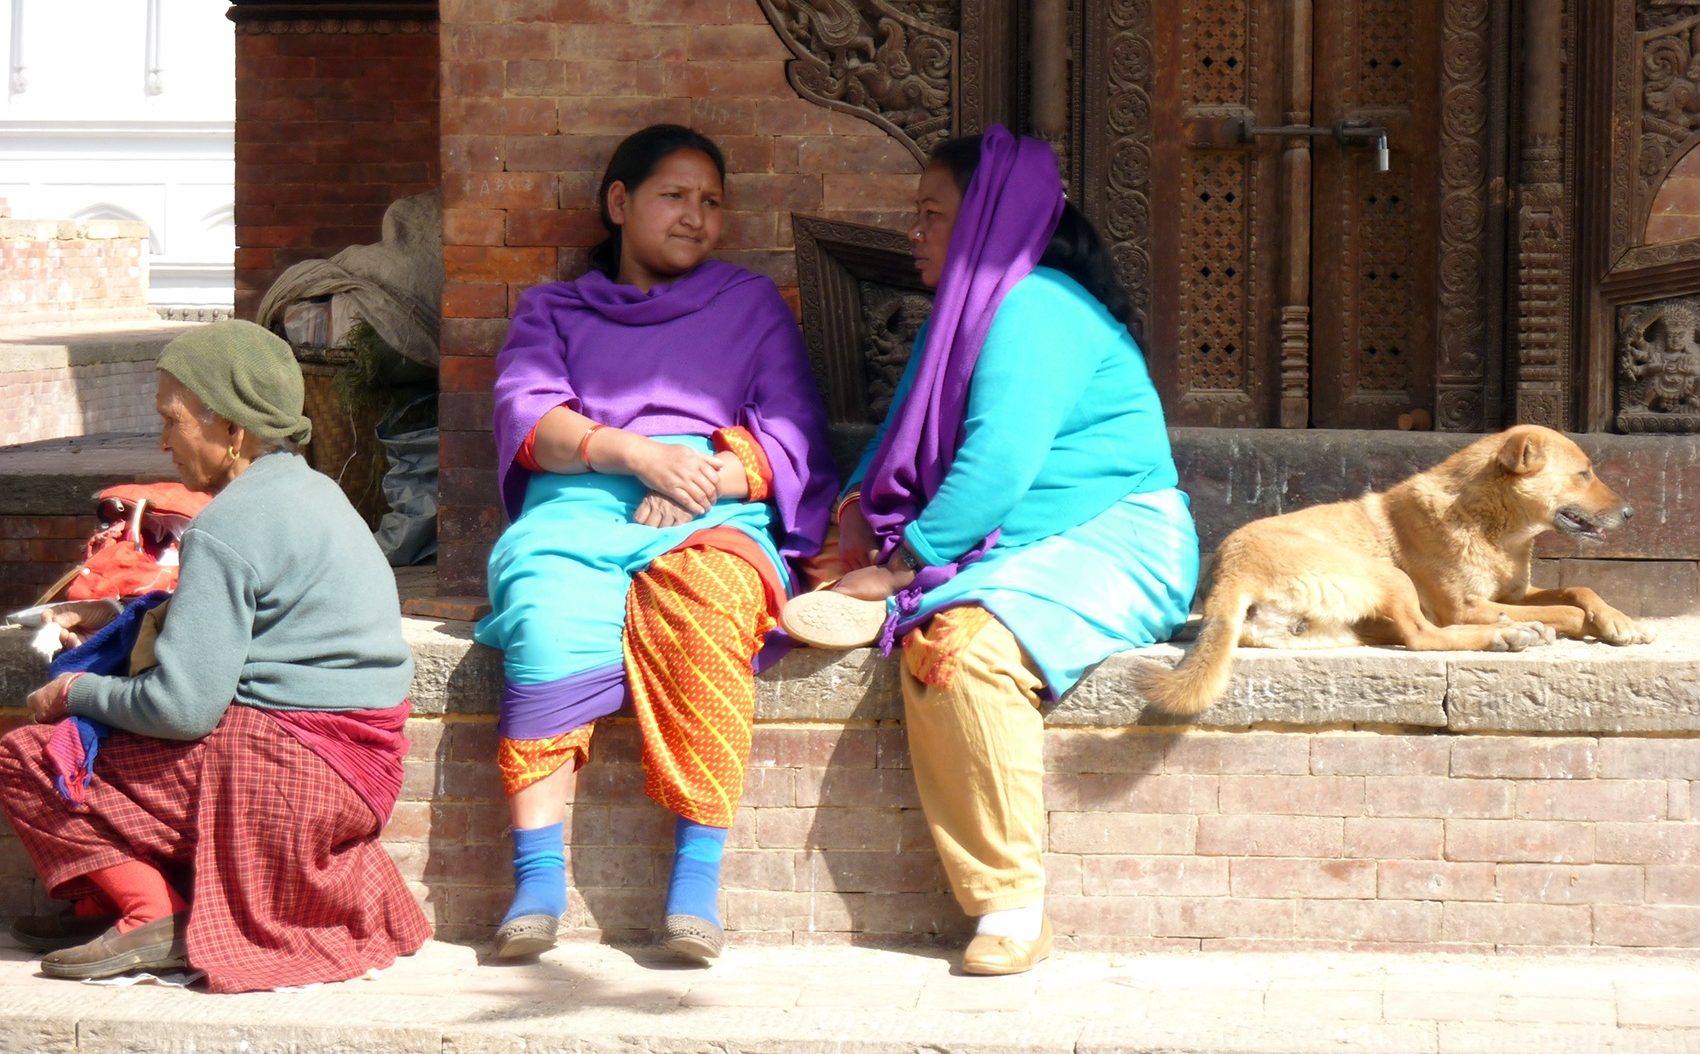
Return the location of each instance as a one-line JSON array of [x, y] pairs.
[[1578, 522]]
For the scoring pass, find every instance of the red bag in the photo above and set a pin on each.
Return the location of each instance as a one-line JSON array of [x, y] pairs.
[[135, 549]]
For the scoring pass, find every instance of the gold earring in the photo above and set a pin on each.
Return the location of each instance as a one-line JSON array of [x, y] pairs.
[[232, 452]]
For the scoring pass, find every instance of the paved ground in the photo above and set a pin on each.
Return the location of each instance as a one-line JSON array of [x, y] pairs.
[[586, 997]]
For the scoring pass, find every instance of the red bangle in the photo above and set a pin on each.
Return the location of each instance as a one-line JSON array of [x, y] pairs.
[[584, 445], [65, 691], [849, 499]]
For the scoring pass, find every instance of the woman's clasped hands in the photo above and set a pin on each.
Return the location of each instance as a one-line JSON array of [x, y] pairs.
[[683, 484]]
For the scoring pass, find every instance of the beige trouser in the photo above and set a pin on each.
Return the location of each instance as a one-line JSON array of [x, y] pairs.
[[976, 741]]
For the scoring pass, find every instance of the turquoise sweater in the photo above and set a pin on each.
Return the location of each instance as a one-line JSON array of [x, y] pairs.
[[1063, 421], [284, 603]]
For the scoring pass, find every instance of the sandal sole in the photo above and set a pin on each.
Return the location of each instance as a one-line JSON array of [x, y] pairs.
[[694, 939], [144, 959], [824, 619], [526, 936]]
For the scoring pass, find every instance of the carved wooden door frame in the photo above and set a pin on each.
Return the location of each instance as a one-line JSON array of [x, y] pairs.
[[1470, 338], [972, 75], [1632, 145]]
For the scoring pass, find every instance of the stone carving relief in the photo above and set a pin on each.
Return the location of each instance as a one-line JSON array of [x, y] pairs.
[[1670, 97], [1659, 366], [862, 303], [1658, 14], [890, 319], [887, 61]]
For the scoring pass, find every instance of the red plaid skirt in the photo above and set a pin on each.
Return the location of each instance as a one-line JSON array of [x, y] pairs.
[[290, 885]]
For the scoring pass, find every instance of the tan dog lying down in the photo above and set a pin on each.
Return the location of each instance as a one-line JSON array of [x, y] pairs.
[[1440, 562]]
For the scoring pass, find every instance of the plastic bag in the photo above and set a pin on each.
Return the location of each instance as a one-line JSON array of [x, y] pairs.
[[407, 533]]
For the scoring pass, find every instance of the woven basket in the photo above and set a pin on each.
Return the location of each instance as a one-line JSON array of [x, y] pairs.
[[345, 444]]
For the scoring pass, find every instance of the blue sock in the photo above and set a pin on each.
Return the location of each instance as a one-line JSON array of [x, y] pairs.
[[540, 873], [695, 886]]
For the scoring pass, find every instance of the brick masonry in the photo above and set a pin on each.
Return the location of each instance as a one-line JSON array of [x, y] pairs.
[[49, 268], [533, 104], [1340, 839], [35, 551], [334, 120], [1246, 839], [74, 400]]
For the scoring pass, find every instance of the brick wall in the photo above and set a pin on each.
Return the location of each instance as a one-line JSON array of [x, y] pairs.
[[1279, 838], [334, 120], [1210, 839], [533, 105], [74, 400], [35, 551], [50, 268]]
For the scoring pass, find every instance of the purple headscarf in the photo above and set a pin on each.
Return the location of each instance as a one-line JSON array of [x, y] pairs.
[[714, 349], [1008, 215]]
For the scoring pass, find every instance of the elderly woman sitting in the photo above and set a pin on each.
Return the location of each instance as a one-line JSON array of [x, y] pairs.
[[232, 821]]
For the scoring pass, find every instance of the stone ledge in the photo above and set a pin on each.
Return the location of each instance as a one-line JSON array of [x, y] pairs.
[[1573, 687], [72, 230], [60, 477], [843, 1000], [26, 349]]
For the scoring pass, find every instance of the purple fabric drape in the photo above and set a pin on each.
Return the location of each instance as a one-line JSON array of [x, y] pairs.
[[1007, 218], [715, 349]]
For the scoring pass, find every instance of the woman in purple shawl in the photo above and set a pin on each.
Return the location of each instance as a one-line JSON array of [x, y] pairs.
[[1015, 521], [664, 464]]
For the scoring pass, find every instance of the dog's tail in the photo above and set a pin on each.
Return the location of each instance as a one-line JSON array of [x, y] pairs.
[[1202, 676]]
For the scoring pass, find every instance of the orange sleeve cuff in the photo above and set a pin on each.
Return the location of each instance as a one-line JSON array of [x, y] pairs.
[[749, 453], [527, 456]]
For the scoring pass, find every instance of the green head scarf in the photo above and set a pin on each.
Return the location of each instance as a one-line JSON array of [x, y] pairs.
[[245, 374]]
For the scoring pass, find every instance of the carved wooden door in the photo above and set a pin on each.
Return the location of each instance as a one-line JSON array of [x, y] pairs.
[[1292, 282]]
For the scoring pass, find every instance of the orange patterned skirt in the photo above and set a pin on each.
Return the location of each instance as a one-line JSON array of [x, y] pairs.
[[695, 619]]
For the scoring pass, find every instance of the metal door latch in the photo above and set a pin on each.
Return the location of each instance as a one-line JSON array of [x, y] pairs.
[[1349, 131]]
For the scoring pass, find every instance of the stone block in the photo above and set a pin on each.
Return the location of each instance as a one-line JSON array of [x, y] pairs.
[[1516, 924], [1640, 588], [1279, 687], [1570, 883], [1644, 688], [1434, 880], [1376, 838]]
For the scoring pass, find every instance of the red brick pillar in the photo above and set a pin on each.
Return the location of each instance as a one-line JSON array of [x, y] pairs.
[[335, 118]]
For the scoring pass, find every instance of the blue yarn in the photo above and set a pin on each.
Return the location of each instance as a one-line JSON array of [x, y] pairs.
[[105, 651], [540, 873], [695, 886]]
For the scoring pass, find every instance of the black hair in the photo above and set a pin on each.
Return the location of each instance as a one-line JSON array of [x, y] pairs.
[[1075, 248], [635, 160]]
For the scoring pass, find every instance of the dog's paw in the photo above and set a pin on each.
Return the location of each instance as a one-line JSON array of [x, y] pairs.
[[1614, 627], [1516, 636]]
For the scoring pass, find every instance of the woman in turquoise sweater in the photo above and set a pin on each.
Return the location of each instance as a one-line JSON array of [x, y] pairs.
[[1015, 520]]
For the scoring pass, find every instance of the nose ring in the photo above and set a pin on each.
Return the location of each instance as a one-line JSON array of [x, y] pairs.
[[915, 236]]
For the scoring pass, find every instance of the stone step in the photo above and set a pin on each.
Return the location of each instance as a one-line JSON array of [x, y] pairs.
[[60, 477], [81, 377], [839, 1000], [1575, 687]]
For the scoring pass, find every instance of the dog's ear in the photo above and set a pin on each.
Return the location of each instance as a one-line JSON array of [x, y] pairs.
[[1522, 454]]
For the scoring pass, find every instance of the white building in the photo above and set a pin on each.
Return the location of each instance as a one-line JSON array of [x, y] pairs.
[[125, 109]]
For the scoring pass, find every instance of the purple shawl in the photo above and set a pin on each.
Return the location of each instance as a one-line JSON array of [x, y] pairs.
[[718, 348], [1007, 218]]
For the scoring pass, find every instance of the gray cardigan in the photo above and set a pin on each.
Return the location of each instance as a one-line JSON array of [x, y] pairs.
[[284, 603]]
